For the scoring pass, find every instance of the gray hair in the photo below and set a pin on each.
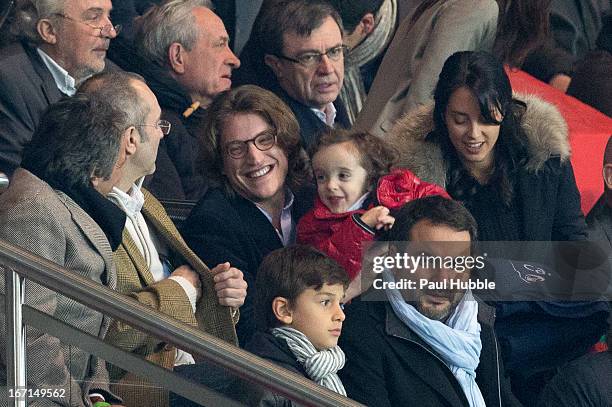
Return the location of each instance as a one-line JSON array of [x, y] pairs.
[[29, 12], [162, 25], [116, 87]]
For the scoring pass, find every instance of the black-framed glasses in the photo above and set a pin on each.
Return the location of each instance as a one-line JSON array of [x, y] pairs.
[[263, 142], [103, 31], [163, 125], [312, 59]]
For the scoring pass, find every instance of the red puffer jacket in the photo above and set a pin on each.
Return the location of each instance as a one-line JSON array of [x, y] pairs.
[[341, 236]]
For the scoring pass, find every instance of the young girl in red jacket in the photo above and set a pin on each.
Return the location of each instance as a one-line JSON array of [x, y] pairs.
[[356, 188]]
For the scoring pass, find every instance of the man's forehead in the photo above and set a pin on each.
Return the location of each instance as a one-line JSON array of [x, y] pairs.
[[209, 23], [439, 238], [325, 36]]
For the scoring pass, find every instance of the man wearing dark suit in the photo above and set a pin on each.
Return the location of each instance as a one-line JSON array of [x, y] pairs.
[[301, 44], [58, 50], [55, 208], [187, 62]]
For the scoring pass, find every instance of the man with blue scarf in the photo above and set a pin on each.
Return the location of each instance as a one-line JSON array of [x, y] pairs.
[[434, 343]]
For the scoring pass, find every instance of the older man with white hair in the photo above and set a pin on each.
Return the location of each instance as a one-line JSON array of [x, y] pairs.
[[62, 42], [188, 63]]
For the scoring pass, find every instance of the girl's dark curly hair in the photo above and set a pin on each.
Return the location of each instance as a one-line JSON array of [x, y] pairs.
[[376, 156], [485, 77]]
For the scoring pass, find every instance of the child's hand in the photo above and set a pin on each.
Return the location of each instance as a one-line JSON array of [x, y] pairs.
[[378, 218]]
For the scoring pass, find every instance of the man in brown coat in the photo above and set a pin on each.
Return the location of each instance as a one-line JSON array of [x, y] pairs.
[[56, 209], [154, 265]]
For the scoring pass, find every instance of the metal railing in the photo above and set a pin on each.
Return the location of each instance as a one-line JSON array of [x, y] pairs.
[[4, 182], [19, 264]]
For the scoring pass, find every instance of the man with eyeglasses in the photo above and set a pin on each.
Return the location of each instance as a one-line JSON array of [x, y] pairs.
[[302, 44], [61, 44], [154, 265], [187, 63]]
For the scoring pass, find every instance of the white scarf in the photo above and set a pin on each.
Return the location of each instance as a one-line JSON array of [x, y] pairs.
[[131, 203], [321, 366], [457, 342]]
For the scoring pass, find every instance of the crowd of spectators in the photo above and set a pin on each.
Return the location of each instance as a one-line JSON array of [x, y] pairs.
[[303, 134]]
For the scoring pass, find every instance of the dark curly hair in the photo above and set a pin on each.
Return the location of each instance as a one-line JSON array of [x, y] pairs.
[[485, 77], [376, 156]]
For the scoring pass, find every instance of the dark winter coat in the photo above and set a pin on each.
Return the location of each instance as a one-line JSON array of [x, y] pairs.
[[390, 365], [233, 229], [545, 184]]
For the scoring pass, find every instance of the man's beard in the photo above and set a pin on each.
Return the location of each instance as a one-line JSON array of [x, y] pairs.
[[436, 312]]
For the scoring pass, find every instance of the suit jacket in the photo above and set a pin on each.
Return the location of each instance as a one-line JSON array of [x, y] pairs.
[[411, 66], [310, 125], [404, 370], [233, 229], [135, 279], [50, 224], [26, 89]]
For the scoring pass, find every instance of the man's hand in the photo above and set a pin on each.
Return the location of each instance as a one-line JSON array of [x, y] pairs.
[[229, 285], [190, 275], [378, 218]]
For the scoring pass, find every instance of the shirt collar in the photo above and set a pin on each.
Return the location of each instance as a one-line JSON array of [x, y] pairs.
[[287, 225], [65, 83], [132, 201], [327, 115]]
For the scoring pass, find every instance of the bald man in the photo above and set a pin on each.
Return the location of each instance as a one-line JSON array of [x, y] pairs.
[[599, 218]]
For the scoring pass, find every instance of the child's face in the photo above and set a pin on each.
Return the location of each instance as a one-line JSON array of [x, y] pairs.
[[318, 315], [341, 180]]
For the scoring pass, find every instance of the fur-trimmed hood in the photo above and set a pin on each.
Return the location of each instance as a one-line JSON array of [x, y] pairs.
[[544, 126]]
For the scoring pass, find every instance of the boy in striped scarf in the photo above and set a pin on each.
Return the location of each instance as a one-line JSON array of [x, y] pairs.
[[298, 310]]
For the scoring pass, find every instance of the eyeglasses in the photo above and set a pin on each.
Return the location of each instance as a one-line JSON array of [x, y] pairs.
[[312, 59], [163, 125], [263, 142], [104, 31]]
